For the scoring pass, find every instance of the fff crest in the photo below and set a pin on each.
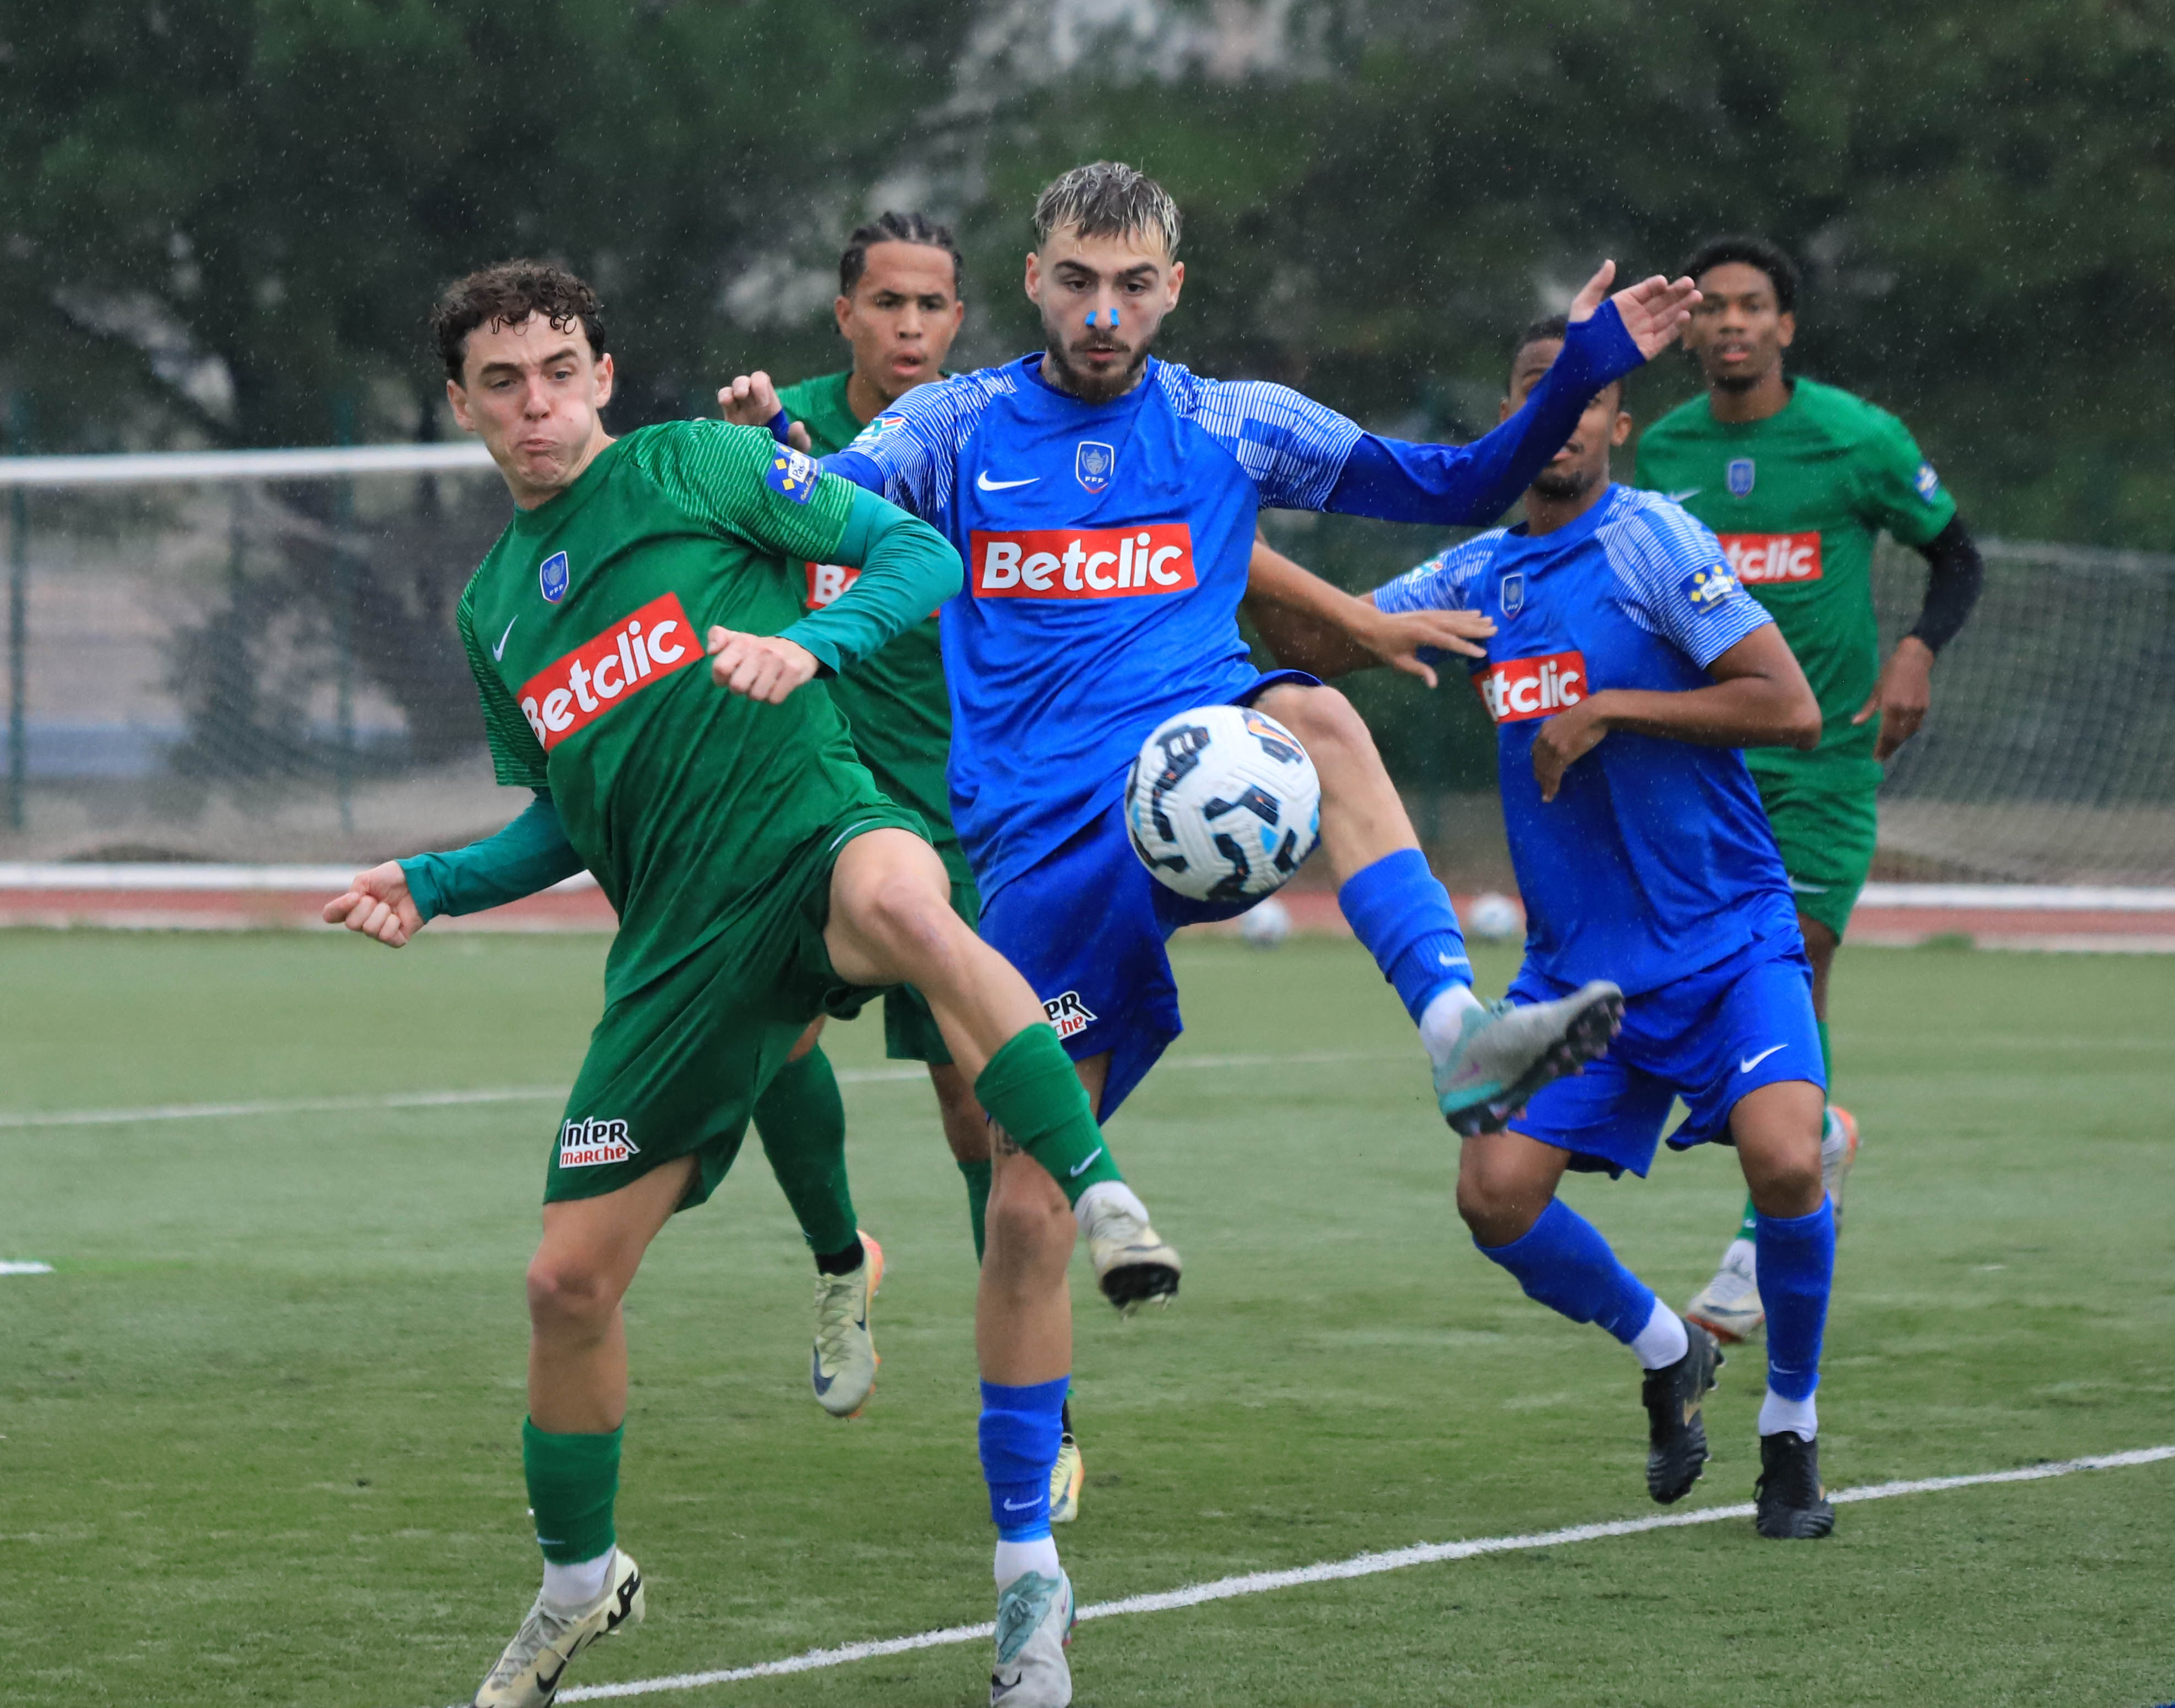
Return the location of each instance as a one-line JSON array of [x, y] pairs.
[[1740, 477], [1092, 463], [551, 576], [1514, 592]]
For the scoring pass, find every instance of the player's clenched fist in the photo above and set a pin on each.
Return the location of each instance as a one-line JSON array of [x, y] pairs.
[[751, 401], [763, 667], [378, 904]]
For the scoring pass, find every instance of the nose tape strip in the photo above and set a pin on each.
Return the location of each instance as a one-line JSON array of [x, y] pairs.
[[1113, 319]]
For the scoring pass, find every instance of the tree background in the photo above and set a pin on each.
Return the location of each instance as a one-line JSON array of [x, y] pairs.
[[222, 221]]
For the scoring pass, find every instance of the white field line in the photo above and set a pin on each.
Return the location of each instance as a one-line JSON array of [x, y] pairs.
[[544, 1093], [25, 1267], [1332, 1571]]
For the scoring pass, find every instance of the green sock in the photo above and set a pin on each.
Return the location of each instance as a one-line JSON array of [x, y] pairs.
[[1827, 1055], [1030, 1090], [572, 1482], [801, 1121], [977, 1200]]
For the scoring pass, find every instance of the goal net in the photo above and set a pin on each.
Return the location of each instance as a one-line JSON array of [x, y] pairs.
[[243, 656], [2049, 756], [250, 656]]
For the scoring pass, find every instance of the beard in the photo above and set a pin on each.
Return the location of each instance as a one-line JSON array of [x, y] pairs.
[[1563, 483], [1083, 382], [1736, 382]]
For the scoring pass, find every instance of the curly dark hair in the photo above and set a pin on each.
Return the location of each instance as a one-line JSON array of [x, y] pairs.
[[507, 295], [897, 228], [1761, 253]]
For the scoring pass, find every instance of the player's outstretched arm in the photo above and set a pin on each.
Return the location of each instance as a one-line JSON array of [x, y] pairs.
[[1460, 485], [1759, 698], [378, 904], [1327, 633], [393, 902]]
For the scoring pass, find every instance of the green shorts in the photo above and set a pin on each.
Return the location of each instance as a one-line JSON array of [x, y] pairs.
[[674, 1068], [1826, 819], [910, 1030]]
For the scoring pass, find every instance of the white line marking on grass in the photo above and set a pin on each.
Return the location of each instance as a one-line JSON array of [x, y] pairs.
[[23, 1268], [1332, 1571], [541, 1093]]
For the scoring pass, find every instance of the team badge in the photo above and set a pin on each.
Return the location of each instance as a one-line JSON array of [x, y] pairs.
[[792, 472], [1514, 593], [1092, 463], [1706, 588], [1927, 482], [552, 575], [1740, 477]]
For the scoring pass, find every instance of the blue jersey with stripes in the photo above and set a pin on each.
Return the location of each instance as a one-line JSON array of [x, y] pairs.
[[1106, 546], [1654, 859]]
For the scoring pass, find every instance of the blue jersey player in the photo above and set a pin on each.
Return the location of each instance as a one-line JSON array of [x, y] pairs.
[[1105, 502], [1626, 668]]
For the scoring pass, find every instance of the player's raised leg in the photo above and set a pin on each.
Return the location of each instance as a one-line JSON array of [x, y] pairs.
[[1777, 1130], [1487, 1059], [570, 1442], [1506, 1186]]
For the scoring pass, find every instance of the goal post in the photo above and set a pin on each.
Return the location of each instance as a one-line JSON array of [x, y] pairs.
[[249, 656]]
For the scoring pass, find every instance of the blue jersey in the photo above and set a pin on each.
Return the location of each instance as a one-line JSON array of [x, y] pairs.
[[1107, 547], [1655, 858]]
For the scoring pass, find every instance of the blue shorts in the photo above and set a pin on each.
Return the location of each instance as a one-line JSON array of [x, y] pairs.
[[1086, 926], [1709, 1038]]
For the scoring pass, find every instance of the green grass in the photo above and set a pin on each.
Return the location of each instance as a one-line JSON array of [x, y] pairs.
[[258, 1434]]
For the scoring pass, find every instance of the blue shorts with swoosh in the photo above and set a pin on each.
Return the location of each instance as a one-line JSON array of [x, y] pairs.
[[1709, 1038]]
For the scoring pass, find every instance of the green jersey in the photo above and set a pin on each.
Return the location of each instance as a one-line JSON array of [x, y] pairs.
[[894, 699], [1797, 500], [584, 625]]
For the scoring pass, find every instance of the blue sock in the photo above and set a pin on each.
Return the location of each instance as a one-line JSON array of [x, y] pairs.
[[1020, 1432], [1563, 1262], [1399, 910], [1797, 1268]]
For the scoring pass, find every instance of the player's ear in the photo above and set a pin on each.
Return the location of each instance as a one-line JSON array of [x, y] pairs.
[[1622, 430], [842, 309], [1786, 328], [457, 395], [1504, 410], [604, 375], [1033, 283], [1177, 284]]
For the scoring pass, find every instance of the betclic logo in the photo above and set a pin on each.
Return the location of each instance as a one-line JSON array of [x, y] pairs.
[[573, 692]]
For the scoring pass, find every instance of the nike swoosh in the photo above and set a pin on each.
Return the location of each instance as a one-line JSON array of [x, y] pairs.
[[1075, 1173], [1689, 492], [983, 483], [545, 1686], [1021, 1505], [1747, 1065], [498, 652], [823, 1382]]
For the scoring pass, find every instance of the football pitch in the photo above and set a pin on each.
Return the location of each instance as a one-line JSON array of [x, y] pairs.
[[259, 1429]]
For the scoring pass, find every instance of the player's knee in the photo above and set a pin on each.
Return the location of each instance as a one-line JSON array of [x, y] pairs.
[[1326, 723], [1029, 1225], [902, 910], [1494, 1208], [567, 1294]]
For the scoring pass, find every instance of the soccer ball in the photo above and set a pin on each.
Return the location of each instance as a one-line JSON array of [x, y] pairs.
[[1222, 803], [1494, 917], [1264, 925]]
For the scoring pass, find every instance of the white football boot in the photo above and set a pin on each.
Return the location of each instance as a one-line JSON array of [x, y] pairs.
[[1728, 1306], [527, 1674], [843, 1368], [1838, 1153], [1066, 1476], [1507, 1051], [1034, 1623], [1133, 1266]]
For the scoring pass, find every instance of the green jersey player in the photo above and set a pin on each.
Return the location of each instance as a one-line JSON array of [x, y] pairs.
[[760, 877], [1798, 479]]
